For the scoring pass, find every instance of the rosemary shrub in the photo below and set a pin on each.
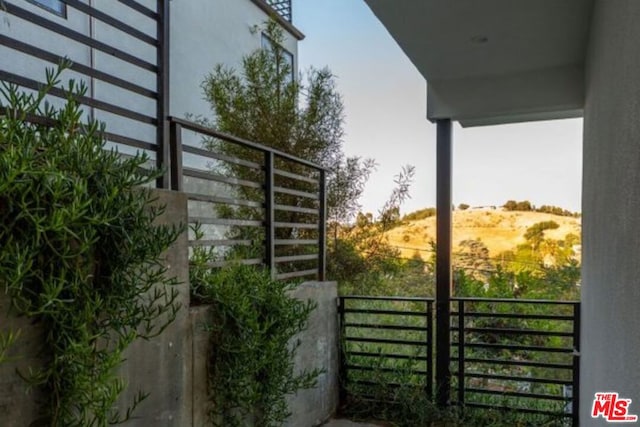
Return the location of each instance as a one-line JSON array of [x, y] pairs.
[[80, 253], [253, 325]]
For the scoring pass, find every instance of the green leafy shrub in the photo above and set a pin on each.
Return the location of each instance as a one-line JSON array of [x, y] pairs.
[[253, 325], [80, 253], [398, 398]]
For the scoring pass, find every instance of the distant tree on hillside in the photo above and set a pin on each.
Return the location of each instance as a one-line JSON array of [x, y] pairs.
[[555, 210], [463, 206], [524, 206], [420, 214], [535, 233]]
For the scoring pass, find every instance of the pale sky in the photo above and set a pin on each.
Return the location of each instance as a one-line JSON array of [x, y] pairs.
[[385, 105]]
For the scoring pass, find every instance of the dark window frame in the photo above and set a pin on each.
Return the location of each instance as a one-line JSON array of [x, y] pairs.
[[268, 43], [61, 13]]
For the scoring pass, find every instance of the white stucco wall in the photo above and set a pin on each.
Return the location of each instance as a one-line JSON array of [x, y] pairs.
[[205, 33], [611, 208], [26, 32], [33, 68]]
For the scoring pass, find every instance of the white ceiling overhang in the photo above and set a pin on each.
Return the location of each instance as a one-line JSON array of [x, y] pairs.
[[494, 61]]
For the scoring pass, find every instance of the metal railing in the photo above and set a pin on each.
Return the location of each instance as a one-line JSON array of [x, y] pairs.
[[256, 204], [384, 339], [120, 62], [282, 7], [517, 355], [511, 355]]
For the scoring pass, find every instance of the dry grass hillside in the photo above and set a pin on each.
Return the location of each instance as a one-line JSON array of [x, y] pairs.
[[498, 229]]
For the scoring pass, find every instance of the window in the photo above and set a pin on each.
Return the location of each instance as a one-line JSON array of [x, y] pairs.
[[287, 56], [56, 6]]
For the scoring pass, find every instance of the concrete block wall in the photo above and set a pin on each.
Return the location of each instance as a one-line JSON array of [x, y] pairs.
[[172, 367], [318, 349]]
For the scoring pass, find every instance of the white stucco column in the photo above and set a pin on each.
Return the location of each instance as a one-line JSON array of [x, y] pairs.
[[611, 208]]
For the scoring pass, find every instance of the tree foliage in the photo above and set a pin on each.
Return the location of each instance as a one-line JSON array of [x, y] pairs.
[[303, 117], [527, 206], [535, 233], [362, 248], [420, 214]]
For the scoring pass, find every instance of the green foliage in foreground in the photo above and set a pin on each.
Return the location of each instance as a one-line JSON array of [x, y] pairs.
[[251, 353], [7, 339], [80, 253]]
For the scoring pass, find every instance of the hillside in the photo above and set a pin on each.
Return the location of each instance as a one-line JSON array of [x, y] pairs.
[[498, 229]]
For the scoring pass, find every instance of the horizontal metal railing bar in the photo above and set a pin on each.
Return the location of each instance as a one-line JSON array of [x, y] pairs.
[[82, 69], [219, 264], [515, 363], [78, 37], [516, 394], [390, 384], [390, 327], [294, 242], [45, 121], [295, 176], [298, 193], [295, 258], [363, 397], [140, 8], [287, 208], [249, 144], [111, 21], [513, 331], [515, 300], [295, 225], [385, 298], [194, 173], [384, 341], [513, 409], [226, 221], [515, 316], [198, 243], [196, 197], [218, 156], [371, 311], [124, 140], [514, 378], [91, 102], [30, 118], [380, 369], [387, 355], [282, 21], [516, 347], [294, 274]]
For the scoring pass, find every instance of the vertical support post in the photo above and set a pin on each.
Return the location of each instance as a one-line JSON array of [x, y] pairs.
[[443, 263], [269, 214], [162, 87], [175, 143], [342, 367], [322, 227], [430, 349], [461, 353], [575, 389]]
